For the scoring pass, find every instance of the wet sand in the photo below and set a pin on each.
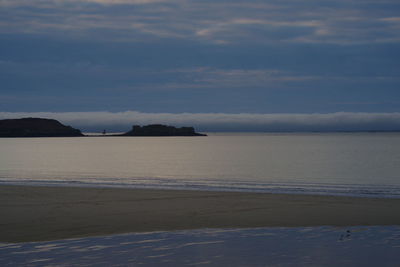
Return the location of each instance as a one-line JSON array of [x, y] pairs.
[[49, 213]]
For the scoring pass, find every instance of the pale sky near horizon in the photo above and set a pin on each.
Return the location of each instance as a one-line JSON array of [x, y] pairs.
[[186, 56]]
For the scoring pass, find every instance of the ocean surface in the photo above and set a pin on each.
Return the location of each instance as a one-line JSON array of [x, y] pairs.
[[355, 164]]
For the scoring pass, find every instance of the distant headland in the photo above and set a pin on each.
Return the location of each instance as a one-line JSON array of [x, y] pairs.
[[36, 127], [40, 127]]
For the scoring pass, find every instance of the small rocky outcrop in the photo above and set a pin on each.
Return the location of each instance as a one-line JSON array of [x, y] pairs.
[[36, 127], [161, 130]]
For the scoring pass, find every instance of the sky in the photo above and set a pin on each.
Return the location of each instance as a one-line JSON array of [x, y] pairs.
[[203, 58]]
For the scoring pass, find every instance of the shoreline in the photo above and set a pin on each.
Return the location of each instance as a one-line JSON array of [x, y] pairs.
[[39, 213], [385, 191]]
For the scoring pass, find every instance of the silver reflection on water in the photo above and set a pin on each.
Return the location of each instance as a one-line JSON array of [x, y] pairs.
[[319, 163]]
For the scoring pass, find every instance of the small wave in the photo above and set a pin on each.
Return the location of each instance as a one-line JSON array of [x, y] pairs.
[[355, 190]]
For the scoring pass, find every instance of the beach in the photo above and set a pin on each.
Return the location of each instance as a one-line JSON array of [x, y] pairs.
[[35, 213]]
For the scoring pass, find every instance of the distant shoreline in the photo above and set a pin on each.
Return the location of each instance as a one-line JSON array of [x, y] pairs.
[[43, 127], [211, 133]]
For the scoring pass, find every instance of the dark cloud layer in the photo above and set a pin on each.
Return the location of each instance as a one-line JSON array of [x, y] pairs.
[[339, 21], [200, 56]]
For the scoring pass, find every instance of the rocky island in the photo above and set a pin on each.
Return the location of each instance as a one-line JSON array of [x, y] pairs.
[[36, 127], [40, 127], [161, 130]]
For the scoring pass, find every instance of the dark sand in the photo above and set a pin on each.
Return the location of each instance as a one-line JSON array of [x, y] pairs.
[[48, 213]]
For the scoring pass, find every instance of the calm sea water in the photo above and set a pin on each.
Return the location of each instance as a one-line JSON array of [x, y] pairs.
[[366, 164]]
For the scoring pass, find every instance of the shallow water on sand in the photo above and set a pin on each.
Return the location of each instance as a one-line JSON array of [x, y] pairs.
[[299, 246], [342, 164]]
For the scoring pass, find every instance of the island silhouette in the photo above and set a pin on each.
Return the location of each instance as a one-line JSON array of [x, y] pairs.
[[42, 127], [161, 130], [36, 127]]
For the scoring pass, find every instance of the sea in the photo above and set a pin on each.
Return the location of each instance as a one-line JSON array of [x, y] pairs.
[[349, 164]]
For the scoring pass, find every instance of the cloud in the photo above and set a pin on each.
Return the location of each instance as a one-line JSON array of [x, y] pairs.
[[47, 3], [392, 19], [137, 78], [217, 22], [130, 2], [122, 121]]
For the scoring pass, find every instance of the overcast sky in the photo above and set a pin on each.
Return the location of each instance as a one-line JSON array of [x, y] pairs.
[[200, 57]]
